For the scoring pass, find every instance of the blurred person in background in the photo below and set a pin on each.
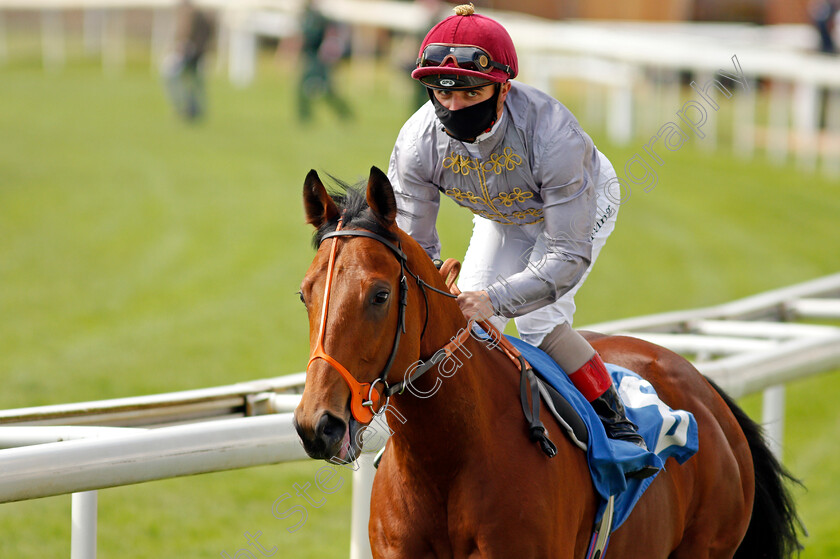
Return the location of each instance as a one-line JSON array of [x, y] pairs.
[[183, 70], [824, 15], [405, 46], [544, 198], [323, 45]]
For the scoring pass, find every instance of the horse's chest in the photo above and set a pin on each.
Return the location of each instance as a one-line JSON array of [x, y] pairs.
[[459, 523]]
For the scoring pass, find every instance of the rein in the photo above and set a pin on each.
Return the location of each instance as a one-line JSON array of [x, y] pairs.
[[365, 397], [527, 378]]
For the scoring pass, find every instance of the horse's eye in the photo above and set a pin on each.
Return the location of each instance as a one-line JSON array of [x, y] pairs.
[[300, 294], [381, 298]]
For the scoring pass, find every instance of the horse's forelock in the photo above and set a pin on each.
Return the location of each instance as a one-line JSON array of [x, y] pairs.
[[354, 210]]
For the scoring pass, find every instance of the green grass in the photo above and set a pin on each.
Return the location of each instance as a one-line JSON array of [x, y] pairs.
[[141, 255]]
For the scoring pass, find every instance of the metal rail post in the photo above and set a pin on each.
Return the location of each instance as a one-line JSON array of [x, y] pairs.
[[83, 535], [362, 486], [773, 418]]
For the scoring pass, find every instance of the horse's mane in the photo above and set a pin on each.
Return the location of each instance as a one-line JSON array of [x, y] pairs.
[[353, 207]]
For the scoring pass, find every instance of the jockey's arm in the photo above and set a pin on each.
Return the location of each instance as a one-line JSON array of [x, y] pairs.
[[564, 251], [418, 201]]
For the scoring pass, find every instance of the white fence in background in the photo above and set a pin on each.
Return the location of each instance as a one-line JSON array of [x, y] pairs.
[[632, 70], [754, 344]]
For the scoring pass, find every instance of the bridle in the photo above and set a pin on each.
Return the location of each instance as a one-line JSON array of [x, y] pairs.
[[365, 397]]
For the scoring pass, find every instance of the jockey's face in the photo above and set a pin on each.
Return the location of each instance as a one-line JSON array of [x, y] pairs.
[[454, 99]]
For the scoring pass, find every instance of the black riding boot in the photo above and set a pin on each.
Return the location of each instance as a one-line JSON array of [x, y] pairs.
[[609, 408]]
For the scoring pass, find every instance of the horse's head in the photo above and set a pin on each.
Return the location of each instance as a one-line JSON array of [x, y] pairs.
[[355, 294]]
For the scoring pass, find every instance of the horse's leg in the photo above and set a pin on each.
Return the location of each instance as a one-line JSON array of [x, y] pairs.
[[654, 527], [691, 511], [717, 527], [395, 533], [541, 515], [699, 547], [714, 533]]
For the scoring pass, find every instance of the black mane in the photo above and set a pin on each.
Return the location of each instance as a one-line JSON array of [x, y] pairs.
[[353, 207]]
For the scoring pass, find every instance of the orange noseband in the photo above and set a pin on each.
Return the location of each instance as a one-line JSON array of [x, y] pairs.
[[363, 397]]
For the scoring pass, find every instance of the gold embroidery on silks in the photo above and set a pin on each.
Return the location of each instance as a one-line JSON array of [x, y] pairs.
[[498, 162], [518, 195], [520, 215], [507, 160], [460, 164], [461, 196], [530, 212]]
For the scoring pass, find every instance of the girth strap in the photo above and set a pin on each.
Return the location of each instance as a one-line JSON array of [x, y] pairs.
[[601, 532], [536, 429]]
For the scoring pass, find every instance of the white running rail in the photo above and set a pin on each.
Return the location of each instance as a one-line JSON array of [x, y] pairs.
[[751, 345]]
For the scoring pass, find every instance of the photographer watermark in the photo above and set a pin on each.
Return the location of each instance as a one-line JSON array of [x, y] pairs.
[[671, 136]]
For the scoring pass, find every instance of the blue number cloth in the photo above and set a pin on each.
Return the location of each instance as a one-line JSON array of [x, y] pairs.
[[668, 433]]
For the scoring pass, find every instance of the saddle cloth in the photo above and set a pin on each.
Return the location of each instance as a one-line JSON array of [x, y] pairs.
[[667, 432]]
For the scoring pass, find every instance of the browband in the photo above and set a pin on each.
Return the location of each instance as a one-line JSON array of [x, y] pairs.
[[363, 233]]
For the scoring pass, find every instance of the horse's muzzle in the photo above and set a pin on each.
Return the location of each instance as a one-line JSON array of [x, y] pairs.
[[325, 440]]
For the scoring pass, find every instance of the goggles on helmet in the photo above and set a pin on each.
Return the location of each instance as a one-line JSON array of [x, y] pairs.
[[465, 57]]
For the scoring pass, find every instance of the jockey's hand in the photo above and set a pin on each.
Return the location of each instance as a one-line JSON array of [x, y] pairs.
[[475, 305]]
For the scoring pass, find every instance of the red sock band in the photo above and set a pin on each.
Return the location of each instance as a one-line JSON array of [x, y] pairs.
[[592, 379]]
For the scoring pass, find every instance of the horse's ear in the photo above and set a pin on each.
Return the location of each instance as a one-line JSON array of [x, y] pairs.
[[380, 197], [319, 207]]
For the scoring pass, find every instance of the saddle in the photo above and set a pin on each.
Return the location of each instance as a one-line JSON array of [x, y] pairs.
[[567, 417]]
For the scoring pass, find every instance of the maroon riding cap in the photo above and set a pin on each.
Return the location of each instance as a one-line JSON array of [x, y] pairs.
[[452, 55]]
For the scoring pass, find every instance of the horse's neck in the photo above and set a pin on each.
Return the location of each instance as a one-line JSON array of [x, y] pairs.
[[445, 408], [452, 405], [451, 413]]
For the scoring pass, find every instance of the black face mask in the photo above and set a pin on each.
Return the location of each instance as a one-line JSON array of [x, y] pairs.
[[469, 122]]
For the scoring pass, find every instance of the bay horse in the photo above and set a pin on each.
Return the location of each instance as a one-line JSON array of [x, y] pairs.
[[459, 477]]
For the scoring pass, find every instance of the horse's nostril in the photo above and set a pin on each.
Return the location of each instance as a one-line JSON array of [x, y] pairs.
[[331, 429]]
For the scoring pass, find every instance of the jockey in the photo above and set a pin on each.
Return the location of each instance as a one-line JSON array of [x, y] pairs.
[[544, 198]]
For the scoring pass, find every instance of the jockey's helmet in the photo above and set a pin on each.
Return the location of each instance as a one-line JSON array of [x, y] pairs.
[[464, 51]]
